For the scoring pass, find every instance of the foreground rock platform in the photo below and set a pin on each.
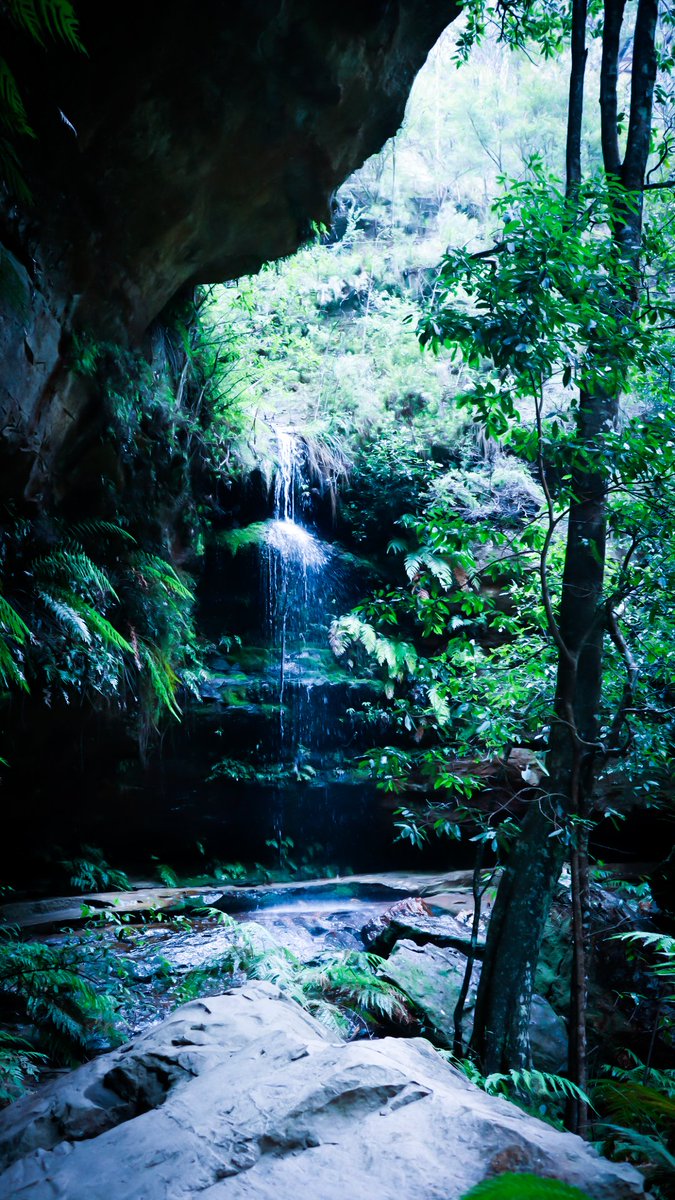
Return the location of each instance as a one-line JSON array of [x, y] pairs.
[[245, 1095]]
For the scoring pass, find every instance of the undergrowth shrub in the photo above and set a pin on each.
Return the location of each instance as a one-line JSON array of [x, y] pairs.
[[343, 990], [55, 1009]]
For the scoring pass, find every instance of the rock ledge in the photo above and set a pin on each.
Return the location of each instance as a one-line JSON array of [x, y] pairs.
[[245, 1095]]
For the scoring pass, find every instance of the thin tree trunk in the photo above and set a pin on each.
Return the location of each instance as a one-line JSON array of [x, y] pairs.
[[576, 1117], [458, 1015], [501, 1023]]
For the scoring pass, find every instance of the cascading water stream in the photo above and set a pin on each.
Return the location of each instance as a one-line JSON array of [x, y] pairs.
[[296, 582]]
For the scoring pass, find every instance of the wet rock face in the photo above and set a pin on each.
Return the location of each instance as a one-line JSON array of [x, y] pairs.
[[245, 1095], [197, 147]]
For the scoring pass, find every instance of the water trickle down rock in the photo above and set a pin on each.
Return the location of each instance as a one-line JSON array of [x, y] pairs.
[[297, 583]]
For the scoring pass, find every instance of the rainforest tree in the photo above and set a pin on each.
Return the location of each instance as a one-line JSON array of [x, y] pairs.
[[561, 295]]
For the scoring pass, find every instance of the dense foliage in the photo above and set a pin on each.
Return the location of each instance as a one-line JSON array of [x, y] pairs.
[[455, 472]]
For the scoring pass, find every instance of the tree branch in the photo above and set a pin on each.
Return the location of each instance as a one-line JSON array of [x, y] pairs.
[[629, 686], [609, 74], [643, 77]]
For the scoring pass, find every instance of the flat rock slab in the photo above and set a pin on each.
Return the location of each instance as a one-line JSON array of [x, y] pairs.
[[58, 911], [245, 1096]]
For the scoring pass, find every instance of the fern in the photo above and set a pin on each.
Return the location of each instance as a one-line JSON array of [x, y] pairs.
[[437, 567], [439, 706], [42, 21], [100, 624], [90, 872], [534, 1084], [46, 19], [11, 622], [661, 944], [153, 569], [68, 617], [76, 568], [167, 875], [19, 1065], [524, 1187], [352, 979], [397, 657], [13, 632], [163, 677], [42, 986], [525, 1088], [10, 671], [633, 1103], [339, 991], [648, 1152], [96, 528], [13, 116]]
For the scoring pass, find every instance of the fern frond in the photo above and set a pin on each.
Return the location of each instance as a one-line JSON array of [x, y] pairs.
[[52, 994], [158, 570], [60, 21], [437, 567], [67, 616], [163, 677], [646, 1147], [12, 623], [13, 115], [96, 528], [74, 567], [24, 15], [12, 627], [40, 19], [630, 1102], [10, 671], [534, 1083], [397, 657], [100, 624], [439, 706]]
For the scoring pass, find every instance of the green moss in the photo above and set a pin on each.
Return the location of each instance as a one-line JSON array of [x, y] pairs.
[[524, 1187]]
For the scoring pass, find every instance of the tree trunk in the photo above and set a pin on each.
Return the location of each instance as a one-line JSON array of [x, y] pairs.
[[501, 1024]]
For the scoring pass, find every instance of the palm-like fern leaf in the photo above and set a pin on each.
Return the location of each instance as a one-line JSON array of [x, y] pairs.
[[13, 116], [74, 567], [11, 623], [100, 624], [159, 571], [96, 528], [12, 630], [42, 19], [162, 675], [630, 1102], [396, 656], [68, 617]]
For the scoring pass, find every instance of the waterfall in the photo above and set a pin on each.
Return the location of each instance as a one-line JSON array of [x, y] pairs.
[[296, 584]]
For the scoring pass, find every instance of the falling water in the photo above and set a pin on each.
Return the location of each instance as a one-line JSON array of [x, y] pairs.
[[296, 582]]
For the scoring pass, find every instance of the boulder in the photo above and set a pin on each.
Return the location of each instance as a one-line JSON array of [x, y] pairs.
[[246, 1096], [415, 921], [431, 976], [624, 997]]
